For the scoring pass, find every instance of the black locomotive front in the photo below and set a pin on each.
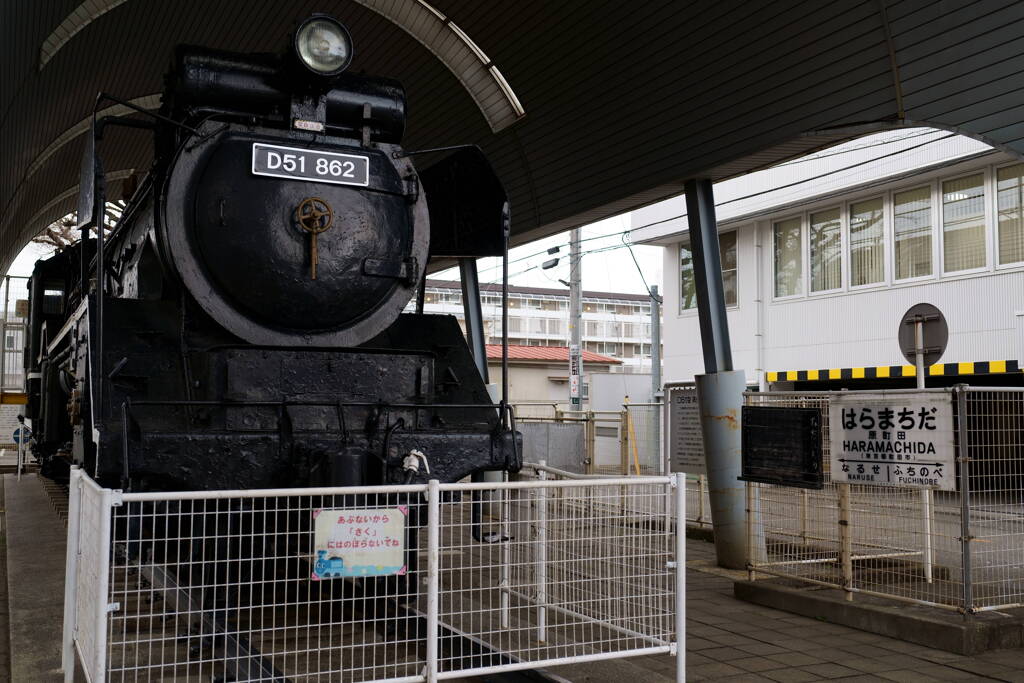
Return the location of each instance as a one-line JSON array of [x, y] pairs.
[[242, 326]]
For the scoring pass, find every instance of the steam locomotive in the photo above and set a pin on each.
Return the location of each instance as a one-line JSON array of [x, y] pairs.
[[241, 325]]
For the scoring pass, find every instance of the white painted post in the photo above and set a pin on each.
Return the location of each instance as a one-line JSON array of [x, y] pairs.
[[926, 494], [701, 488], [542, 557], [67, 656], [21, 453], [433, 574], [845, 539], [506, 554], [926, 514], [680, 577], [803, 515], [750, 529], [103, 572]]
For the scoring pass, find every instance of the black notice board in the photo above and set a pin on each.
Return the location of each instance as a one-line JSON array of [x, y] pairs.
[[782, 446]]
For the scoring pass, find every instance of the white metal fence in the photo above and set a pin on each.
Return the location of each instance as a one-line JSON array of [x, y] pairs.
[[516, 575], [961, 550]]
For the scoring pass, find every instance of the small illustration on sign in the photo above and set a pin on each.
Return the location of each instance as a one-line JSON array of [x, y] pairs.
[[363, 542]]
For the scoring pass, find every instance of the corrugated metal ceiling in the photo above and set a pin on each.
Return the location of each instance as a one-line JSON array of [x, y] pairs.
[[623, 100]]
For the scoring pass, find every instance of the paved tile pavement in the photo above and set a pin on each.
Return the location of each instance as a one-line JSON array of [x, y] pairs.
[[730, 640]]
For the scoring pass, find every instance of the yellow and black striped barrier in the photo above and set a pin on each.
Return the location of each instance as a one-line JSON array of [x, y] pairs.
[[987, 367]]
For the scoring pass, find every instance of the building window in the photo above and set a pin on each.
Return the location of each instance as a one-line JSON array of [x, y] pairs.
[[687, 283], [963, 223], [912, 213], [727, 253], [1010, 193], [867, 243], [826, 251], [594, 328], [789, 268]]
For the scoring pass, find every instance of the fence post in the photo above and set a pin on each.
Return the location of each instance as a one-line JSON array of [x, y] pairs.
[[433, 574], [542, 557], [803, 516], [750, 529], [926, 518], [624, 443], [845, 539], [103, 572], [506, 554], [964, 459], [702, 482], [591, 443], [67, 656], [680, 486]]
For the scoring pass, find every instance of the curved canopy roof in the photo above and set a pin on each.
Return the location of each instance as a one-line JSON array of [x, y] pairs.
[[587, 108]]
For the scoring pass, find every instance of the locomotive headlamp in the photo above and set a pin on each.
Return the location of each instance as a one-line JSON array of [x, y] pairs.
[[323, 46]]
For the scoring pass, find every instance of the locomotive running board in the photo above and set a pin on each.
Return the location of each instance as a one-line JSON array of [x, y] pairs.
[[245, 660]]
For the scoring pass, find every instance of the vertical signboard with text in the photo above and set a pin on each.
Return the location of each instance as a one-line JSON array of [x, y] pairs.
[[684, 441]]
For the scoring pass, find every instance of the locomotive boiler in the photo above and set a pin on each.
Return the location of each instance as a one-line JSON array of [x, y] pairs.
[[243, 323]]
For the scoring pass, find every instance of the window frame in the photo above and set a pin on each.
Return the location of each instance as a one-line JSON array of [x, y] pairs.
[[934, 194], [804, 289], [986, 175], [995, 218], [847, 209], [843, 275], [687, 312]]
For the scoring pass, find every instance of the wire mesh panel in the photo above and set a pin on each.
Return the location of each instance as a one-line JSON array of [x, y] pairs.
[[92, 549], [239, 589], [576, 569], [399, 583], [995, 444], [645, 436], [899, 542]]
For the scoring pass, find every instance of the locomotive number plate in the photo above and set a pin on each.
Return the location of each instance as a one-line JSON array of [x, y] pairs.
[[310, 164]]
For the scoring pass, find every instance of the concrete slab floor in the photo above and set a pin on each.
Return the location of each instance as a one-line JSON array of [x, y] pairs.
[[34, 542], [730, 640]]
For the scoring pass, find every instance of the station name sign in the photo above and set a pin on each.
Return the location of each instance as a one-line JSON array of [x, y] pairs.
[[893, 439]]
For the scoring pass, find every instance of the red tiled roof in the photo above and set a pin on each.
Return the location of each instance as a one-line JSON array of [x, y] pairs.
[[548, 353]]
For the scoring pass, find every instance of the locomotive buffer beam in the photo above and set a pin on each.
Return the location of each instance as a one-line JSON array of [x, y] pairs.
[[244, 660]]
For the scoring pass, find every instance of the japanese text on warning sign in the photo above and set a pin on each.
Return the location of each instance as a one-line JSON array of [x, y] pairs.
[[359, 542], [893, 440]]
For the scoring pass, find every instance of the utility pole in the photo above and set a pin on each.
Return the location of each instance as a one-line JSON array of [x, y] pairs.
[[655, 344], [575, 323], [656, 362]]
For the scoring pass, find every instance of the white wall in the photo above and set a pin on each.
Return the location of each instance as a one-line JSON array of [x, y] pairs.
[[852, 328]]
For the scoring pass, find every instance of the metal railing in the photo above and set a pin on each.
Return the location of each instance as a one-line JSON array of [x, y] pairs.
[[239, 585], [960, 550]]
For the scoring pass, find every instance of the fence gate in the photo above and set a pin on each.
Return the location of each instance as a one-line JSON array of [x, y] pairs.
[[315, 584]]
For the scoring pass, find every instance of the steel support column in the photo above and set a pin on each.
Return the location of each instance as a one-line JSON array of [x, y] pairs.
[[473, 314], [720, 389]]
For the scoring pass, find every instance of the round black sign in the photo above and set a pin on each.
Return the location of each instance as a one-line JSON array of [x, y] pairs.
[[935, 333]]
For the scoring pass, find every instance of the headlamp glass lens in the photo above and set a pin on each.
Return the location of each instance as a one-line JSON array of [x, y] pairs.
[[323, 46]]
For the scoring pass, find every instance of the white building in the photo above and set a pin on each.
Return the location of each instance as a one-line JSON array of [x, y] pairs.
[[819, 271], [614, 324]]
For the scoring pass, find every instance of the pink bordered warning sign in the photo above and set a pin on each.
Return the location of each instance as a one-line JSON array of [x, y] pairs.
[[363, 542]]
